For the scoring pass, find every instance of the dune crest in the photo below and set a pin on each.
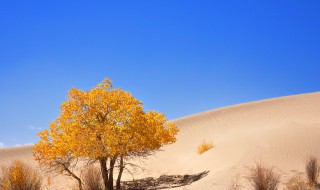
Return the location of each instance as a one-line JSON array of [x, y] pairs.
[[280, 132]]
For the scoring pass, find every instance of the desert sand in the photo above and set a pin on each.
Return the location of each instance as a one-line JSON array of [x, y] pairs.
[[281, 132]]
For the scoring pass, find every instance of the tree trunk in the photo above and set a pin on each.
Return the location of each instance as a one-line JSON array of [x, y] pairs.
[[79, 181], [73, 175], [80, 184], [118, 186], [111, 167], [104, 172]]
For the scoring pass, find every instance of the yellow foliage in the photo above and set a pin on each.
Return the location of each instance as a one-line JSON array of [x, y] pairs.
[[19, 176], [103, 122], [204, 146]]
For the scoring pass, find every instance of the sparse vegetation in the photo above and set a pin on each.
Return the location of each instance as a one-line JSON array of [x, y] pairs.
[[204, 146], [263, 177], [49, 181], [19, 176], [235, 184], [92, 179], [312, 170], [296, 183]]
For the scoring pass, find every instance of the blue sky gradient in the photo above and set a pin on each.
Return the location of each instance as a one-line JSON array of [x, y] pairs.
[[178, 57]]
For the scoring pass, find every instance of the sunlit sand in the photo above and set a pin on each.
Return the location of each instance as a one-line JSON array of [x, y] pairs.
[[281, 132]]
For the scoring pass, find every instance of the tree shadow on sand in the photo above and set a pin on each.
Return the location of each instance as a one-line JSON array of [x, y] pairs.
[[163, 182]]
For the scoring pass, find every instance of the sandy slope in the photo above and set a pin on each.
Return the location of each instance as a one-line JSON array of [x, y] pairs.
[[281, 132], [24, 153]]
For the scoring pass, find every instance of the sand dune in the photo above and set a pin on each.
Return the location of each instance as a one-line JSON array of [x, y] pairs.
[[280, 132]]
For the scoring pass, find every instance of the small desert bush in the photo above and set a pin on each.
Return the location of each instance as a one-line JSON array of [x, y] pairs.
[[204, 146], [92, 179], [235, 184], [312, 170], [49, 182], [297, 183], [19, 176], [263, 178]]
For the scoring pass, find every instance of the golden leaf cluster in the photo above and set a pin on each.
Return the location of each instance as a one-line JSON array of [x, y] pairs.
[[101, 123]]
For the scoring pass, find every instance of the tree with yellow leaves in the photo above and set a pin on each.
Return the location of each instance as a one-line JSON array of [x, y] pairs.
[[105, 125]]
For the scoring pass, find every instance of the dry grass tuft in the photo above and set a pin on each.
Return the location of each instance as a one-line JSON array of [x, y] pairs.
[[92, 179], [312, 170], [204, 146], [235, 184], [263, 178], [19, 176], [296, 183]]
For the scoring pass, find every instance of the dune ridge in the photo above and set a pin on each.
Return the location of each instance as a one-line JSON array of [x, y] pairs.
[[281, 132]]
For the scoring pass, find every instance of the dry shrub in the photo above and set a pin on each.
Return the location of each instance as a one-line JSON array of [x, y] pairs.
[[263, 178], [49, 182], [297, 183], [312, 170], [92, 179], [204, 146], [19, 176], [235, 184]]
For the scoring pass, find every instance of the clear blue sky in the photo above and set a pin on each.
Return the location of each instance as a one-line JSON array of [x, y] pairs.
[[178, 57]]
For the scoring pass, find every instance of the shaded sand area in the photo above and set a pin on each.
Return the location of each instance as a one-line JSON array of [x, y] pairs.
[[281, 132]]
